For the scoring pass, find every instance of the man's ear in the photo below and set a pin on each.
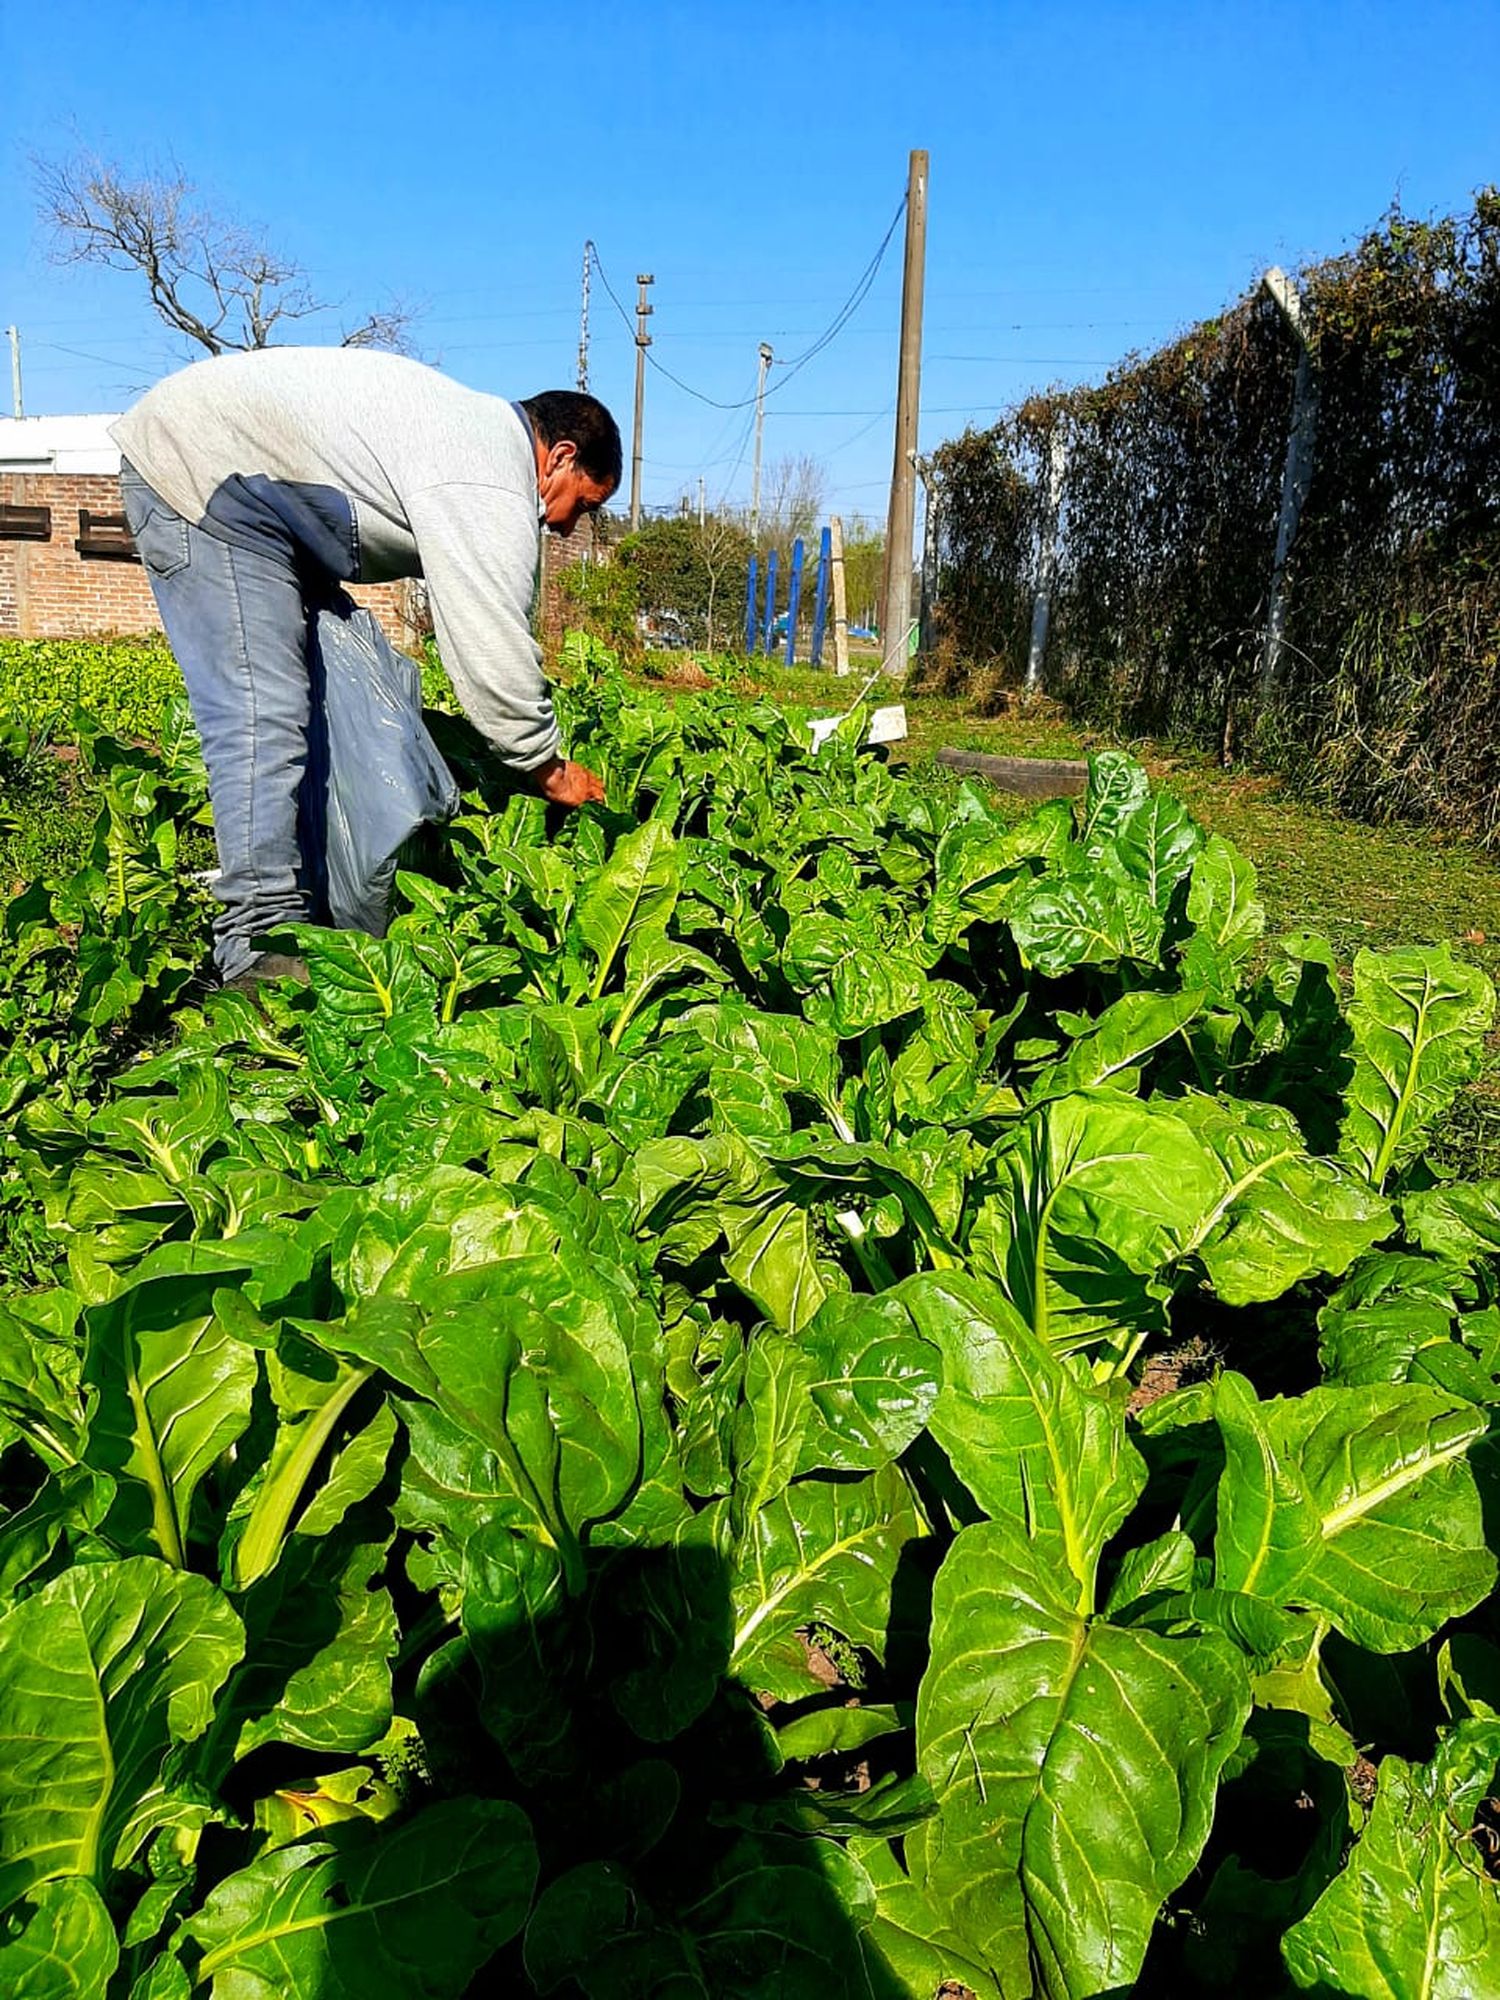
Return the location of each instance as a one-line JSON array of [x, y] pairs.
[[561, 455]]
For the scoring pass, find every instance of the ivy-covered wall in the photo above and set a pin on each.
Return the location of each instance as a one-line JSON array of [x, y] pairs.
[[1385, 698]]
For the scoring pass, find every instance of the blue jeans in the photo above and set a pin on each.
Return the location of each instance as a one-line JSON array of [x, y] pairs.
[[239, 609]]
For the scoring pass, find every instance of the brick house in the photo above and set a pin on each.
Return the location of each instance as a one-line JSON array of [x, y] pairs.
[[68, 568]]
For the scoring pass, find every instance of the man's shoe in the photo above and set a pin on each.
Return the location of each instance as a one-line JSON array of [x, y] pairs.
[[265, 967]]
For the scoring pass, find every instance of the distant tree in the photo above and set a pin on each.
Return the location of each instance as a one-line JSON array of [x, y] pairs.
[[601, 599], [864, 570], [210, 278], [684, 569], [724, 545], [791, 499]]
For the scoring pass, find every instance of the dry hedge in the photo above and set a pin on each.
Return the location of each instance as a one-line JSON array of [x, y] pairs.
[[1388, 694]]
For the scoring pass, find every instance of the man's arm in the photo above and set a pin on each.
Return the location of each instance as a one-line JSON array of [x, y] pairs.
[[479, 547]]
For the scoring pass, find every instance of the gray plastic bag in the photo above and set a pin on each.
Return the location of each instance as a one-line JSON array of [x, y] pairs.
[[385, 776]]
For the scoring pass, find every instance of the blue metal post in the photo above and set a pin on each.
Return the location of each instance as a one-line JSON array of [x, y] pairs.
[[794, 602], [820, 601], [752, 605], [770, 598]]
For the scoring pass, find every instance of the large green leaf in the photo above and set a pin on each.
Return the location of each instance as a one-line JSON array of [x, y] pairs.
[[770, 1424], [516, 1620], [38, 1389], [560, 1389], [977, 865], [1158, 843], [102, 1672], [1074, 1764], [320, 1635], [1282, 1213], [1116, 790], [1392, 1306], [652, 960], [1090, 917], [1358, 1503], [771, 1254], [1035, 1443], [74, 1501], [1096, 1195], [684, 1194], [1122, 1037], [633, 893], [1414, 1915], [825, 1549], [172, 1393], [800, 1058], [1419, 1018], [410, 1910], [909, 1937], [531, 1365], [64, 1945], [399, 1235], [362, 983], [1460, 1221], [313, 1393], [874, 1377], [1226, 916], [871, 986]]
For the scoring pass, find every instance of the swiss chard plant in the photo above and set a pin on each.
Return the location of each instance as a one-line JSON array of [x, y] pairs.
[[790, 1388]]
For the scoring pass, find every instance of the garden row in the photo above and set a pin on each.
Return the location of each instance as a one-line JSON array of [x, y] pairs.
[[790, 1389]]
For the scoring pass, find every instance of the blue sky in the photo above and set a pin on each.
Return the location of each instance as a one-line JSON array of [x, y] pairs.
[[1101, 177]]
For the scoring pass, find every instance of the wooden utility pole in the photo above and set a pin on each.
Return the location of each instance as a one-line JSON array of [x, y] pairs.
[[642, 342], [840, 600], [766, 358], [902, 517], [583, 320]]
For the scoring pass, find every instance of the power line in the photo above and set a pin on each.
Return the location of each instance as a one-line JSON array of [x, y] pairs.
[[78, 353], [739, 458], [836, 326]]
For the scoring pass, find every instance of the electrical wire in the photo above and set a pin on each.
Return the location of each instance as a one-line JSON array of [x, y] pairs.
[[739, 458], [830, 333]]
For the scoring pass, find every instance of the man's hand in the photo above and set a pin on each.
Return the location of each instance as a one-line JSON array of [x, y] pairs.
[[564, 783]]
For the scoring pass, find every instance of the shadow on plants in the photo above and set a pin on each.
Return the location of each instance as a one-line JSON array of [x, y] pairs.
[[678, 1850]]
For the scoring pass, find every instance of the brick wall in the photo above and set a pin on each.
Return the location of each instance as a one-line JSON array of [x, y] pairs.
[[48, 590]]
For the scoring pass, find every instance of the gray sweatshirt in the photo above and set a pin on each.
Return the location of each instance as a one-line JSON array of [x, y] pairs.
[[440, 481]]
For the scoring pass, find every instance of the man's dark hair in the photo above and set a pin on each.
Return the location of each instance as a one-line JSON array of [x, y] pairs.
[[566, 416]]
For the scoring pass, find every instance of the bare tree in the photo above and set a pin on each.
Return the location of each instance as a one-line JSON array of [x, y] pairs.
[[209, 277], [725, 547], [792, 498]]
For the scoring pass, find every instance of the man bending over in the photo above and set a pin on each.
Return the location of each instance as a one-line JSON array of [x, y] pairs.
[[256, 484]]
